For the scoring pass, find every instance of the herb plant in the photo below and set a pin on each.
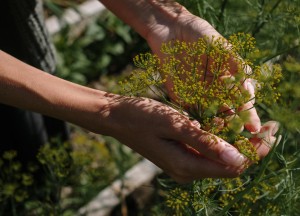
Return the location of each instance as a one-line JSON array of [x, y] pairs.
[[272, 186], [203, 89]]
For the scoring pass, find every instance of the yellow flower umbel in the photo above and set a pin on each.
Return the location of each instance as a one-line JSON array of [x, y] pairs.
[[207, 80], [178, 201]]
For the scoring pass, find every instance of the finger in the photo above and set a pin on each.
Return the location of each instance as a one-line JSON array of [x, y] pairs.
[[270, 128], [184, 164], [216, 124], [235, 123], [249, 86], [209, 145], [228, 80], [265, 139], [197, 167], [196, 123], [226, 110], [263, 146], [252, 123]]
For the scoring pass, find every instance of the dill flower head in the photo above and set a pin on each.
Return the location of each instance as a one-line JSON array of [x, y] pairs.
[[208, 79], [177, 200]]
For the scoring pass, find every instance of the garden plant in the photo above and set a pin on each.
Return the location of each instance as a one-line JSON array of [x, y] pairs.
[[203, 90], [262, 42]]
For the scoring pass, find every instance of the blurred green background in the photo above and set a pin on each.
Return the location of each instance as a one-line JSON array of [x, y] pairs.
[[98, 53]]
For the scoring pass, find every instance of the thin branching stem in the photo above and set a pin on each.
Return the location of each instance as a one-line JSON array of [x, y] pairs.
[[280, 53], [222, 10], [255, 181], [260, 21]]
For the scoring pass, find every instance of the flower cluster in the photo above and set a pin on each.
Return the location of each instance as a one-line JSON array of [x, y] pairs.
[[178, 200], [208, 81], [210, 196], [14, 180]]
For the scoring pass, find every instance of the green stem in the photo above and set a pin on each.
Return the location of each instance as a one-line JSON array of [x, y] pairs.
[[13, 206], [255, 182], [206, 68], [57, 201], [260, 22], [191, 207], [221, 14], [280, 53], [199, 9]]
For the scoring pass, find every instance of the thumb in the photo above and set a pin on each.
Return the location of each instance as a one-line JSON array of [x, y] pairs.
[[253, 124]]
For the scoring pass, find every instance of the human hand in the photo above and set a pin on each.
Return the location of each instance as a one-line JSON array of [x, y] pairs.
[[265, 139], [156, 131], [171, 141], [189, 28]]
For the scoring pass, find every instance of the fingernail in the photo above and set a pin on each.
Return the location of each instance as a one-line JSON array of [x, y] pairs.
[[251, 91], [250, 88], [254, 132], [232, 157], [270, 141], [254, 129], [196, 123], [275, 128], [263, 134], [269, 129]]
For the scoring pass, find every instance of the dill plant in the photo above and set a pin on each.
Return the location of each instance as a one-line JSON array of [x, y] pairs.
[[15, 181], [203, 88], [275, 26], [64, 176]]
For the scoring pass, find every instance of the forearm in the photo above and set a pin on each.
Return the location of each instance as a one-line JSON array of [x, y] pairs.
[[28, 88], [144, 15]]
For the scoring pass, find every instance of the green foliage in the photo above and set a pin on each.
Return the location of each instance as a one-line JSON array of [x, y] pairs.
[[200, 90], [287, 111], [272, 187], [56, 7], [105, 45], [204, 88], [75, 172], [65, 177], [268, 189], [15, 181], [274, 24]]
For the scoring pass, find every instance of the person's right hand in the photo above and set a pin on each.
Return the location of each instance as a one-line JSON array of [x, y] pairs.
[[158, 132], [171, 141]]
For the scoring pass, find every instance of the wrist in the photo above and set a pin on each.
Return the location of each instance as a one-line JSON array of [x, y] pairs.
[[28, 88], [145, 15], [86, 107], [165, 15]]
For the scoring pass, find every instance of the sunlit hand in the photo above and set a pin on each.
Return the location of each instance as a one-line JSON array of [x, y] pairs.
[[171, 141], [189, 28]]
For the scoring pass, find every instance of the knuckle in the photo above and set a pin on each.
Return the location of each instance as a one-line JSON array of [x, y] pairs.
[[179, 172], [207, 139], [209, 144], [234, 173]]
